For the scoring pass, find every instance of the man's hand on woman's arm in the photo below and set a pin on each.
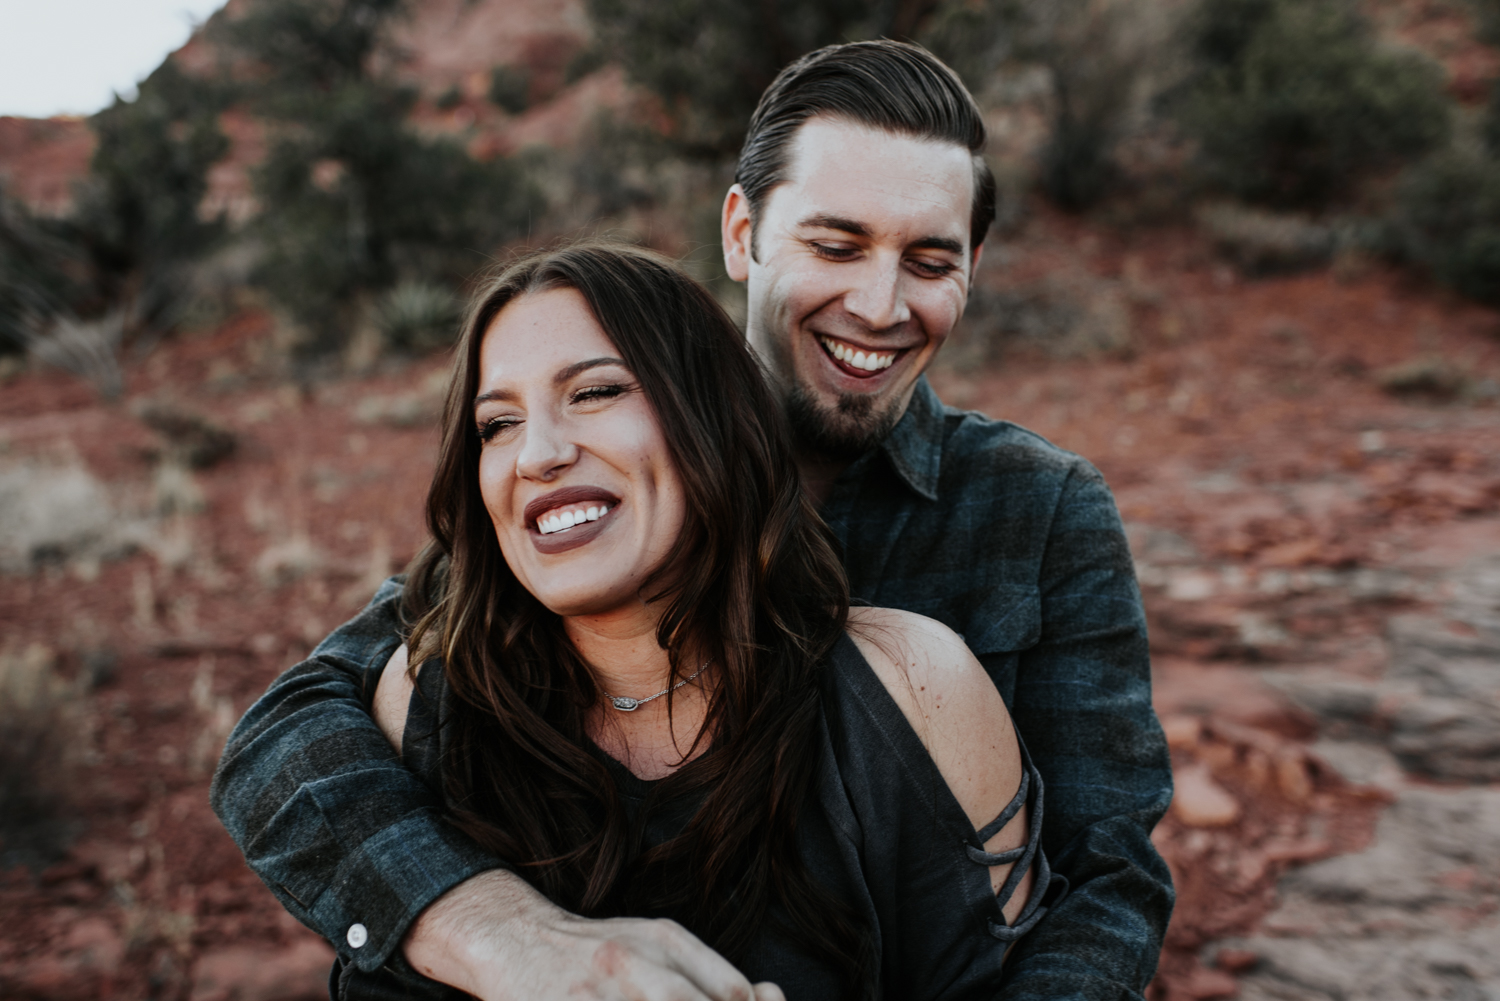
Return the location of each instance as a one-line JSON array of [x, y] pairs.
[[497, 938]]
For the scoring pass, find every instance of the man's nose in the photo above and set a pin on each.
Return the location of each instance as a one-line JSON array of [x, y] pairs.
[[878, 300], [546, 450]]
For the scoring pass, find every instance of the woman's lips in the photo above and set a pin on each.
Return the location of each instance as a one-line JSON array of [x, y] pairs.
[[572, 538], [548, 516]]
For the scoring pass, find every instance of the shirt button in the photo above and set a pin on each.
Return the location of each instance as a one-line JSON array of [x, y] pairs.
[[358, 935]]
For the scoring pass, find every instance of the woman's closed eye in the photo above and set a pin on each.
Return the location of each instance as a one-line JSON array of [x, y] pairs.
[[495, 426], [604, 391]]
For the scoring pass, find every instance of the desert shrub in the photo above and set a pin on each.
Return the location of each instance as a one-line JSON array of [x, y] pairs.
[[709, 60], [417, 316], [44, 272], [1447, 217], [1430, 377], [40, 728], [90, 349], [73, 287], [1292, 100], [352, 199], [1101, 58], [139, 211], [510, 86], [1267, 243]]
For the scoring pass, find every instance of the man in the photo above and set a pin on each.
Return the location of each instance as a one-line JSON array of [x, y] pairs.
[[857, 220]]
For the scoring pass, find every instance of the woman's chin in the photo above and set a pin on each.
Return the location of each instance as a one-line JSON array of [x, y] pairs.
[[587, 600]]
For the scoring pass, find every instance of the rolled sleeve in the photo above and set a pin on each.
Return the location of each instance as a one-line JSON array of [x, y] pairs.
[[351, 842]]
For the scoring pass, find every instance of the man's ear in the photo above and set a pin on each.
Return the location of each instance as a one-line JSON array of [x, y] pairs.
[[974, 267], [735, 231]]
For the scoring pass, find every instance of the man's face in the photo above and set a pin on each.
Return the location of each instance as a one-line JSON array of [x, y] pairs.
[[861, 267]]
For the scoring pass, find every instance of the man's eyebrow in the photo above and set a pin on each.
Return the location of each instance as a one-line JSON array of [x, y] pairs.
[[836, 222], [938, 243], [505, 395]]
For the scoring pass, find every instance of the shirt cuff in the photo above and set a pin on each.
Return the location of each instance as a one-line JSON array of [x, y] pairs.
[[381, 887]]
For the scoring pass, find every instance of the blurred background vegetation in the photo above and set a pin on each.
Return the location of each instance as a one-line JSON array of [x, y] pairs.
[[1292, 130]]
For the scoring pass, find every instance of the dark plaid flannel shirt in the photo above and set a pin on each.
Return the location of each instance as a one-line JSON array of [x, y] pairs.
[[1009, 540]]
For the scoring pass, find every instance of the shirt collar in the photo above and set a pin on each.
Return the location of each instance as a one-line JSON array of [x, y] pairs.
[[915, 445]]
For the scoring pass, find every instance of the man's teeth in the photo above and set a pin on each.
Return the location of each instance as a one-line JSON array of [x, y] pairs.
[[565, 518], [871, 362]]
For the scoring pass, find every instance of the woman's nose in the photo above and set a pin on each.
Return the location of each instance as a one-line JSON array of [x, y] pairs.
[[878, 300], [545, 451]]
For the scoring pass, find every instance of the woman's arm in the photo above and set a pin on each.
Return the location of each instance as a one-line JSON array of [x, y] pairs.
[[960, 718], [393, 697]]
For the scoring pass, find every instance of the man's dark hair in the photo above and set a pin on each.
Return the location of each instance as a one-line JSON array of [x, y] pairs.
[[894, 86]]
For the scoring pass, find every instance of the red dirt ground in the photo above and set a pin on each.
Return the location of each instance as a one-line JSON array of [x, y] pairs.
[[1274, 383]]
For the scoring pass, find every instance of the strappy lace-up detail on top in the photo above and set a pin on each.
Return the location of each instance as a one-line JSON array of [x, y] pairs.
[[1025, 857]]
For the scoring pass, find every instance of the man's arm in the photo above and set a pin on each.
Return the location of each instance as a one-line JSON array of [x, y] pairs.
[[347, 838], [353, 845], [1083, 705]]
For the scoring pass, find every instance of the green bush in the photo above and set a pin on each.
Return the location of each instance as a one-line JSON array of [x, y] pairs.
[[352, 199], [43, 272], [139, 211], [135, 225], [709, 60], [418, 316], [1097, 53], [1292, 100], [1447, 218], [510, 87]]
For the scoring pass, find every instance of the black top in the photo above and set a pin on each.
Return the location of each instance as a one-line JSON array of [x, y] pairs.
[[886, 835]]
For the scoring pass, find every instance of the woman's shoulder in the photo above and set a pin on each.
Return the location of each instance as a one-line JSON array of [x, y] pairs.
[[924, 665], [949, 701], [393, 696]]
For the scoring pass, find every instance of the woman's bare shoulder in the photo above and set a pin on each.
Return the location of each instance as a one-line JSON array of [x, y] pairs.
[[392, 697], [948, 699], [923, 664]]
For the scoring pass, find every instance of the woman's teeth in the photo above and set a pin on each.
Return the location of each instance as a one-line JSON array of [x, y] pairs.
[[870, 362], [565, 518]]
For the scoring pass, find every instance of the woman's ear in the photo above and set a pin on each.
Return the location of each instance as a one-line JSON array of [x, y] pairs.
[[735, 230]]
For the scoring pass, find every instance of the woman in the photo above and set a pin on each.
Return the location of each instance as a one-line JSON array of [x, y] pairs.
[[640, 680]]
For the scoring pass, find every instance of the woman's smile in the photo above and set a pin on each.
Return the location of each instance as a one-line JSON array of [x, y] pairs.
[[568, 518]]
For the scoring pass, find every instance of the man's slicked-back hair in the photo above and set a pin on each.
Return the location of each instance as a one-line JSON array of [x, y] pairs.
[[893, 86]]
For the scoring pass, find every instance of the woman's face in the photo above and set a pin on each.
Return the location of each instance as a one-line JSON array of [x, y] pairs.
[[574, 469]]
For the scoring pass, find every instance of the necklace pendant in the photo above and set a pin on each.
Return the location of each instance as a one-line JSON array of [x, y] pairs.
[[624, 703]]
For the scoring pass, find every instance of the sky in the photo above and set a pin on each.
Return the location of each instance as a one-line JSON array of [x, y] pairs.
[[70, 57]]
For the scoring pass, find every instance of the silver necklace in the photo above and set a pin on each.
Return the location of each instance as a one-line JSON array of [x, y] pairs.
[[626, 704]]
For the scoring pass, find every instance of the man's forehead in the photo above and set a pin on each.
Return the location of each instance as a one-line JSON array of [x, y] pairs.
[[881, 181]]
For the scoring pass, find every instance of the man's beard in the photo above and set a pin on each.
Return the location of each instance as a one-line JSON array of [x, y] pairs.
[[846, 430]]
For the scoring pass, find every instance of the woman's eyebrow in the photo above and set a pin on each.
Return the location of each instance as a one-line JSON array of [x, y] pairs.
[[583, 366], [563, 375]]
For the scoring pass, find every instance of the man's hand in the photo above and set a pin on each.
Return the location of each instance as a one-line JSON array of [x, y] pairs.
[[497, 938]]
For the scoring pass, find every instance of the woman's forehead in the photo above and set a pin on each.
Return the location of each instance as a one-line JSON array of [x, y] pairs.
[[539, 333]]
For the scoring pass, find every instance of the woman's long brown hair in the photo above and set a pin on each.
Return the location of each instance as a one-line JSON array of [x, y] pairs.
[[752, 582]]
